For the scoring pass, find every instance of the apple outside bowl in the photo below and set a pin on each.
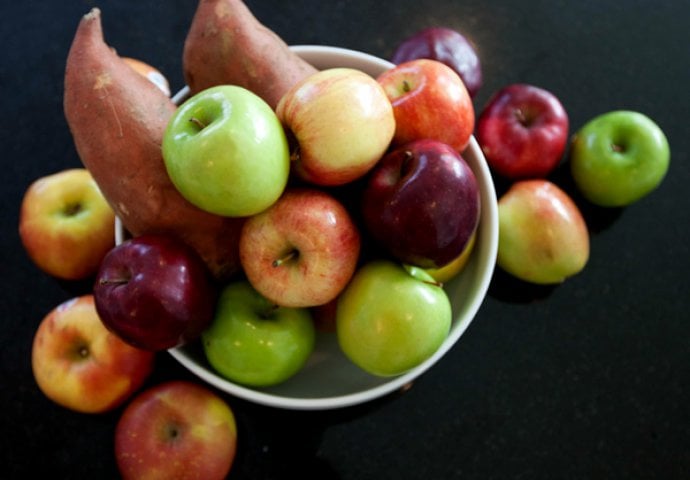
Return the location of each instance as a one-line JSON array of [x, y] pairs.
[[329, 379]]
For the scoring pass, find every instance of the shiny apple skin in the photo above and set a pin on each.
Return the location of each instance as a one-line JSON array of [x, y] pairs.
[[523, 131], [155, 292], [447, 46], [422, 203], [543, 237]]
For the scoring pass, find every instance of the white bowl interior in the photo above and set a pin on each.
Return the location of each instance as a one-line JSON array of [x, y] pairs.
[[329, 379]]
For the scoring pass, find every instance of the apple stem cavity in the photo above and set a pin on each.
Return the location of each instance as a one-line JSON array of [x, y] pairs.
[[201, 125], [525, 118], [291, 255], [72, 209]]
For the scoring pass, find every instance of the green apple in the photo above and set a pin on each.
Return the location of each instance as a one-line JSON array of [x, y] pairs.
[[254, 342], [391, 318], [226, 152], [619, 157]]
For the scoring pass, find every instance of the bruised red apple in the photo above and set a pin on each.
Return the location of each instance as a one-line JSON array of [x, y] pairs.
[[523, 131], [422, 203], [155, 292], [79, 364], [176, 429], [543, 237], [342, 122], [302, 251], [445, 45], [429, 101]]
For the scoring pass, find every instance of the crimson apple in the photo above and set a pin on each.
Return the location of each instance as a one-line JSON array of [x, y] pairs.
[[445, 45], [429, 101], [155, 292], [523, 131], [302, 251], [176, 429], [66, 225], [422, 203], [79, 364]]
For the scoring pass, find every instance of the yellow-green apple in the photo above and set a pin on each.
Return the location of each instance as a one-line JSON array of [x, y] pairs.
[[451, 270], [523, 131], [429, 101], [447, 46], [155, 292], [253, 341], [543, 237], [176, 429], [342, 123], [65, 224], [301, 251], [619, 157], [226, 152], [80, 365], [149, 72], [422, 203], [391, 318]]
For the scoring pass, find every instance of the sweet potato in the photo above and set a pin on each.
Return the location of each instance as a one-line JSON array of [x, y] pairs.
[[226, 44], [117, 119]]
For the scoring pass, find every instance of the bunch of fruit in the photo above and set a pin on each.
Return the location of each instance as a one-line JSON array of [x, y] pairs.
[[277, 200]]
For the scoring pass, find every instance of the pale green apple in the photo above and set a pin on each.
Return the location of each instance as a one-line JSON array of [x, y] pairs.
[[255, 342], [390, 319], [226, 152]]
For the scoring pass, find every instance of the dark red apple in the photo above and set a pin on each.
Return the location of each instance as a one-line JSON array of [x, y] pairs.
[[447, 46], [523, 131], [154, 292], [422, 203]]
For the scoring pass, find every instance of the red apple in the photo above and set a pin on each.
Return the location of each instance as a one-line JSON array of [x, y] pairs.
[[176, 429], [66, 225], [422, 203], [82, 366], [155, 292], [302, 251], [445, 45], [342, 122], [543, 237], [523, 131], [429, 101]]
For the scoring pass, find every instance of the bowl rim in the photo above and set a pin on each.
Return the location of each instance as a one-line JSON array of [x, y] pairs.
[[488, 230]]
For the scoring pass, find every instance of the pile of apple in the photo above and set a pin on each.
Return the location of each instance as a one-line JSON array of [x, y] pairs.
[[342, 202]]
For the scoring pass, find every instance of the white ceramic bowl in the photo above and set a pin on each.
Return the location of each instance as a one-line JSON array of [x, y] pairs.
[[329, 380]]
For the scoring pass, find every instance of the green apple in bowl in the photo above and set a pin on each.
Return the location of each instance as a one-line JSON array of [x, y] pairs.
[[619, 157], [226, 152], [253, 342], [392, 318]]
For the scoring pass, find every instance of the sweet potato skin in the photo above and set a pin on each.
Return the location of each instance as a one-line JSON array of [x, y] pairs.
[[226, 44], [117, 119]]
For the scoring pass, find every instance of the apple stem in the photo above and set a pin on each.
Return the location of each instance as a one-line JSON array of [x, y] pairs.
[[433, 283], [406, 86], [285, 258], [113, 281], [198, 123]]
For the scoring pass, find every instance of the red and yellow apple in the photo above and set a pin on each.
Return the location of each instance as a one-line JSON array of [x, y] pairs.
[[176, 429], [66, 225], [543, 237], [152, 74], [429, 101], [81, 365], [302, 251], [342, 122]]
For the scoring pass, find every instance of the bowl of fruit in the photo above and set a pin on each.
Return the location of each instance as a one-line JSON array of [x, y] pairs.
[[303, 227]]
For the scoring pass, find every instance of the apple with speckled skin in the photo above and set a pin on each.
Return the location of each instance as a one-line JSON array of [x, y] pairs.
[[430, 101], [543, 238], [81, 365], [174, 429], [66, 225], [391, 318], [619, 157]]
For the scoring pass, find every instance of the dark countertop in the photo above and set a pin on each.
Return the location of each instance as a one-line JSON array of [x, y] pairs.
[[590, 379]]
